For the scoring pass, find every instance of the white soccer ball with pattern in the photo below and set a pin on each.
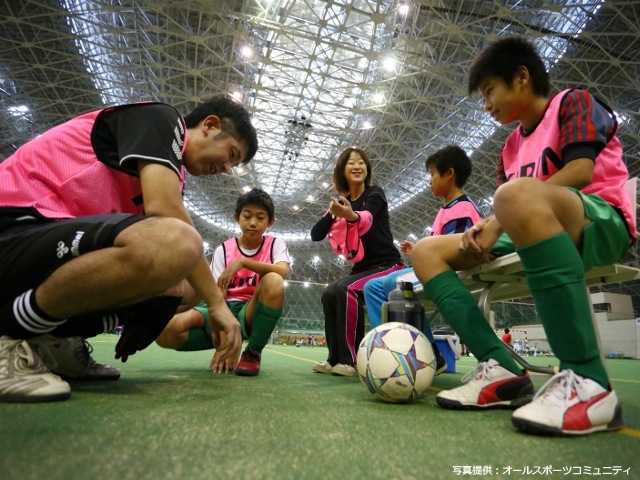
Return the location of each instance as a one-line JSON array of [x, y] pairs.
[[396, 362]]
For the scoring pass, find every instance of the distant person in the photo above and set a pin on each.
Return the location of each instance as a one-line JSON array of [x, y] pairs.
[[506, 337]]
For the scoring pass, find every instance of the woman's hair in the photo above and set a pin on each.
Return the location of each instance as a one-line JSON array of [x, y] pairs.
[[339, 181]]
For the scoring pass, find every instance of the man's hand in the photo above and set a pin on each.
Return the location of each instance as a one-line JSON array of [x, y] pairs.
[[225, 331], [222, 366], [217, 365]]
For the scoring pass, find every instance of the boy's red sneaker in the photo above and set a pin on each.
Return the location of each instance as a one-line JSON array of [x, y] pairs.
[[488, 386], [249, 365]]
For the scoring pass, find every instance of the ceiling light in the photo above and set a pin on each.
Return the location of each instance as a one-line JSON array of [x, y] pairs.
[[247, 52], [389, 64], [378, 98], [237, 95], [18, 111]]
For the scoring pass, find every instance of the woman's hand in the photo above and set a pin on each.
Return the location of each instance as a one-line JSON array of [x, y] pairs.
[[340, 207]]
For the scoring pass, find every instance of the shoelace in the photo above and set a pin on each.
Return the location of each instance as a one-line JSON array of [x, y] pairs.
[[249, 356], [8, 344], [83, 354], [561, 385], [481, 368], [24, 353]]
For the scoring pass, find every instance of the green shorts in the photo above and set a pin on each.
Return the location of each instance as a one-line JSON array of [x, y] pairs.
[[203, 338], [605, 239]]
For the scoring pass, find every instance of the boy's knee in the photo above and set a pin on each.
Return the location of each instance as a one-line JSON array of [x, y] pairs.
[[420, 249], [513, 192], [272, 284], [370, 287], [389, 283]]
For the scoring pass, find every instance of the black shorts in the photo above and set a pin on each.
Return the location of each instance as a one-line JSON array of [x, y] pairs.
[[30, 253]]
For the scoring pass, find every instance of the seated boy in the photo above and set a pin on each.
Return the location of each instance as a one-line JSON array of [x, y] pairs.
[[250, 271], [450, 168], [561, 205]]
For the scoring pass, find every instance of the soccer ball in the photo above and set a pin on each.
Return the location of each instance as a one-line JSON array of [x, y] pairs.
[[396, 362]]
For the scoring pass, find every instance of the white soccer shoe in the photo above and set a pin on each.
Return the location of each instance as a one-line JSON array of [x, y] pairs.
[[322, 367], [24, 377], [344, 370], [569, 404], [488, 386]]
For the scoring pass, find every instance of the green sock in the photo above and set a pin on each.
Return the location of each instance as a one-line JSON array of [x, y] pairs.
[[560, 293], [264, 323], [459, 309]]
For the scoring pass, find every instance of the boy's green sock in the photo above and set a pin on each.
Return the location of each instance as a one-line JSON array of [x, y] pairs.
[[459, 309], [264, 323], [555, 274]]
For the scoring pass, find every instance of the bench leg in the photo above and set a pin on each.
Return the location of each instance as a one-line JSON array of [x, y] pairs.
[[484, 302], [595, 328]]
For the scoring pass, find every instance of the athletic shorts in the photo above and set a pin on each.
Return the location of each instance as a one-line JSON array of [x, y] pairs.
[[30, 253], [237, 308], [605, 240]]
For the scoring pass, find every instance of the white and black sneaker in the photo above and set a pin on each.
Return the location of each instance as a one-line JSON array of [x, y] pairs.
[[24, 377]]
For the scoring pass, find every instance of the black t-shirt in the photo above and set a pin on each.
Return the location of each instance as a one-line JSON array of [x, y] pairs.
[[145, 131]]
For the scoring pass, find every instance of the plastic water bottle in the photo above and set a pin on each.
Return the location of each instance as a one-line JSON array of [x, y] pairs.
[[403, 307]]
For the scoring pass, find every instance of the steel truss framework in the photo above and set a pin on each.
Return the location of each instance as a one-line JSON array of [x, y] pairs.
[[317, 76]]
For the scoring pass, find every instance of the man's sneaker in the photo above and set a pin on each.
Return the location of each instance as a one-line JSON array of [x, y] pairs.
[[71, 358], [249, 364], [344, 370], [441, 363], [488, 386], [23, 376], [322, 367], [569, 404]]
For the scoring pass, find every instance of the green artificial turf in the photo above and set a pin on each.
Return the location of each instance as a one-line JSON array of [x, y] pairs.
[[168, 417]]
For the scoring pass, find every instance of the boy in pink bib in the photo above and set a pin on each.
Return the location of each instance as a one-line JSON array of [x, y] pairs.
[[560, 205]]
